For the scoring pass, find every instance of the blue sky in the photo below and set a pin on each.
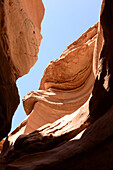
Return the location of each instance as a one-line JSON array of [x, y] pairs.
[[63, 23]]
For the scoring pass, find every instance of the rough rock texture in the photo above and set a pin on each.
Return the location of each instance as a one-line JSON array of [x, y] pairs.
[[23, 19], [83, 139], [19, 42]]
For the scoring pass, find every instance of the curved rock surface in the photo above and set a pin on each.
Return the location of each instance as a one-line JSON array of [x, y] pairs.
[[73, 68], [90, 149], [66, 84], [58, 97], [83, 139]]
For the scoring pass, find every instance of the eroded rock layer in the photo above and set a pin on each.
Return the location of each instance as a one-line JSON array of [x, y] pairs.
[[91, 149], [66, 85], [23, 21], [83, 139]]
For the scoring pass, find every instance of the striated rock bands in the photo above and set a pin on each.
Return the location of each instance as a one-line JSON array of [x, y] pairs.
[[73, 68], [66, 84], [88, 150], [74, 105]]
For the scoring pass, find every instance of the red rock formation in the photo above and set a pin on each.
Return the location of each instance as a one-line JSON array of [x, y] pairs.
[[92, 149], [66, 85], [83, 139], [19, 42], [9, 98], [23, 20]]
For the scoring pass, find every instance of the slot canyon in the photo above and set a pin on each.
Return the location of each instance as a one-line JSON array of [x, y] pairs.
[[69, 118]]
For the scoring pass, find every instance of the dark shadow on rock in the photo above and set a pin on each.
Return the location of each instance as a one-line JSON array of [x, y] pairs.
[[102, 98]]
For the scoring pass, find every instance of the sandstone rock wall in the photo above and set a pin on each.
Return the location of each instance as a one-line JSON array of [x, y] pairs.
[[82, 139], [9, 98], [66, 85], [19, 43], [23, 20]]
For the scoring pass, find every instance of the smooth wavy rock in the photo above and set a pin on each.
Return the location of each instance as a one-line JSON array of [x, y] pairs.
[[83, 139], [60, 99], [73, 68], [48, 105], [66, 84], [65, 144]]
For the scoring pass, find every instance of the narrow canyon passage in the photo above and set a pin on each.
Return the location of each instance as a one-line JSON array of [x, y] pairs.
[[58, 31], [67, 95]]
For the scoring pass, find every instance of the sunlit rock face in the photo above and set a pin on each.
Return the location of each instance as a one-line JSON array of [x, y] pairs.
[[19, 43], [66, 84], [23, 20], [82, 139]]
